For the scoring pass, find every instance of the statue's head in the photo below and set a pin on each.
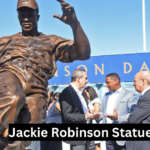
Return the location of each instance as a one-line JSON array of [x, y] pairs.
[[28, 3], [28, 14]]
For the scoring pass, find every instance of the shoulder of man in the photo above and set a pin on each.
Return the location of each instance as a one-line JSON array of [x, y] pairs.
[[54, 38], [147, 93], [128, 91], [145, 98], [66, 90], [4, 41], [130, 95]]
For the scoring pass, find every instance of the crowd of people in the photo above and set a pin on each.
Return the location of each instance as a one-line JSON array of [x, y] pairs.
[[80, 104]]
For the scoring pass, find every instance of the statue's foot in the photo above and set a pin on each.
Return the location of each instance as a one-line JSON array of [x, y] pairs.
[[18, 145]]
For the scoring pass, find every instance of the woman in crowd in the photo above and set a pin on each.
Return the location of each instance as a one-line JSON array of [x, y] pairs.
[[53, 117], [94, 106], [92, 144], [51, 101]]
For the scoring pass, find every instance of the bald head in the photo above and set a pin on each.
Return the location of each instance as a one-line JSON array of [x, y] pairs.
[[138, 75], [145, 75], [141, 81]]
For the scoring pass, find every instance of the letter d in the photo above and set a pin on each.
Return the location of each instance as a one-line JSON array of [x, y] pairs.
[[130, 67]]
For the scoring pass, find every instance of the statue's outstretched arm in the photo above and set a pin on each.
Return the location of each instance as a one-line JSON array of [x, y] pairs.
[[82, 49]]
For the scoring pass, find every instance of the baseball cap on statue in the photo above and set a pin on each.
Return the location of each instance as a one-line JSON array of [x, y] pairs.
[[27, 3]]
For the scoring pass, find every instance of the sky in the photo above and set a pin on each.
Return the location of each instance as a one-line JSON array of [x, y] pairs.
[[112, 26]]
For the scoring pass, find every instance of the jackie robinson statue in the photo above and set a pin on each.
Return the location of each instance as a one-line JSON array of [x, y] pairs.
[[28, 61]]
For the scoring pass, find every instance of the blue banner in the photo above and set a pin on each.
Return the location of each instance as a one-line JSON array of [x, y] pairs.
[[97, 67]]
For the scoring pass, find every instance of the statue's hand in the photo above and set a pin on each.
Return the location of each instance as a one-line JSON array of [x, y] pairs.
[[69, 15]]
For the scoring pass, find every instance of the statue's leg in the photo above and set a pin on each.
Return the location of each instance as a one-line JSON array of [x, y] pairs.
[[34, 111], [12, 99]]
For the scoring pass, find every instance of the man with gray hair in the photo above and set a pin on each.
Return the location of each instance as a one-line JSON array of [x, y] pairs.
[[74, 107], [141, 114]]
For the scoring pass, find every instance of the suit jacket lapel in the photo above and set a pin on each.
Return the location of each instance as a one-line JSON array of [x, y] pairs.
[[105, 102], [105, 106], [144, 94], [120, 97], [76, 98]]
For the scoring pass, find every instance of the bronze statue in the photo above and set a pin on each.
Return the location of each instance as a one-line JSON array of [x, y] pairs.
[[28, 61]]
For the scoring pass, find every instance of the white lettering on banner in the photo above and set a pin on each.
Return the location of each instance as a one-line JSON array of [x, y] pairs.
[[31, 133], [78, 133], [130, 133], [55, 132]]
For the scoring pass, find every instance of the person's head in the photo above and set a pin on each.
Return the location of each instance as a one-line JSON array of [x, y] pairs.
[[112, 82], [141, 81], [28, 15], [85, 96], [79, 78], [90, 92], [56, 95], [51, 95]]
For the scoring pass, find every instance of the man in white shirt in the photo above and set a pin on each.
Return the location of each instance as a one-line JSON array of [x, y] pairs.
[[141, 114], [116, 107], [74, 107]]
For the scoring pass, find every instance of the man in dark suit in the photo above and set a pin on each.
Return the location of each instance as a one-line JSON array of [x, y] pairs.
[[74, 107], [141, 114]]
